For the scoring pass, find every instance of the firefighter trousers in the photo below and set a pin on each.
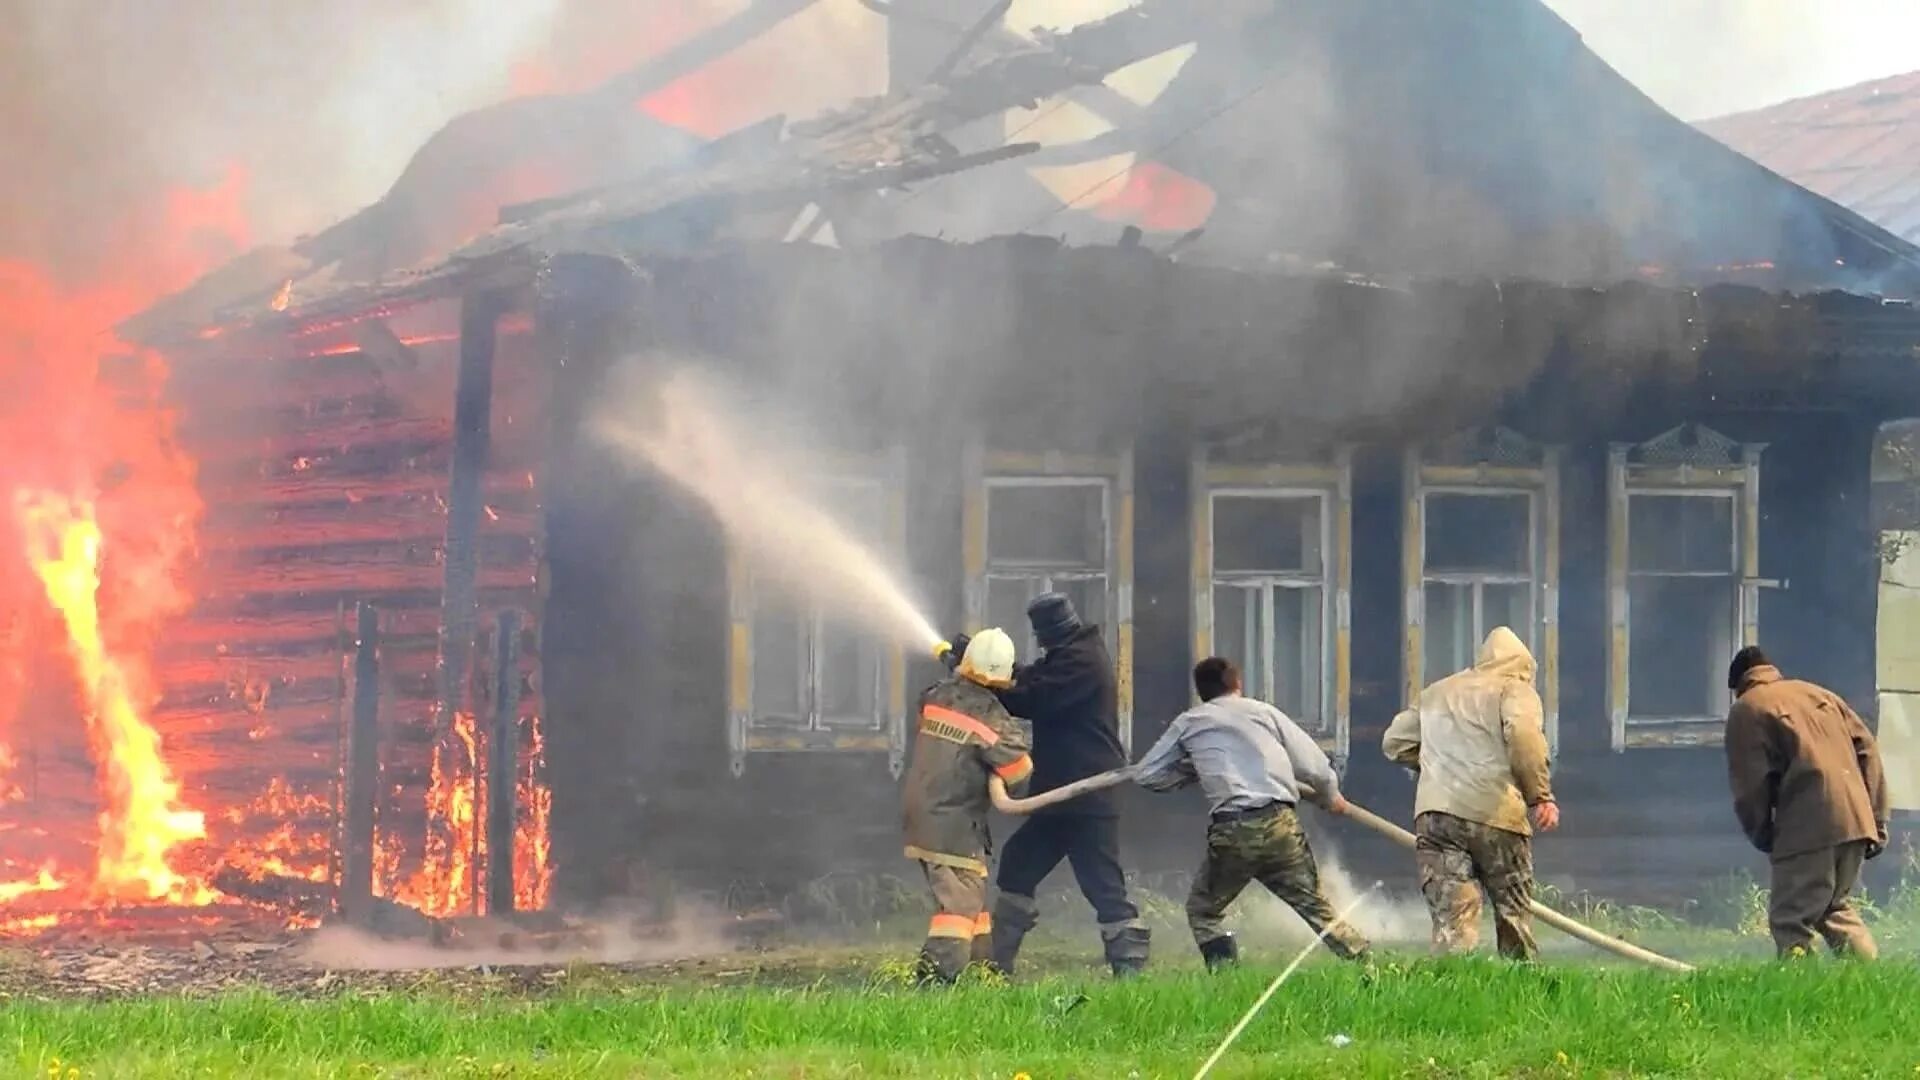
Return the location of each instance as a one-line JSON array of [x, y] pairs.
[[961, 930]]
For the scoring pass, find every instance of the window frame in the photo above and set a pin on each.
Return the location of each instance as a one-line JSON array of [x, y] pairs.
[[1478, 580], [1329, 483], [1486, 462], [986, 470], [749, 733], [1693, 461]]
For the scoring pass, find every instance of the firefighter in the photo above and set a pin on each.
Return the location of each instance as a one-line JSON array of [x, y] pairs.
[[965, 736], [1255, 765], [1477, 741], [1070, 697], [1811, 793]]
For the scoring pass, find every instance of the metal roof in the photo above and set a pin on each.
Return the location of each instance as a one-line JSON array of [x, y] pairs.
[[1859, 146]]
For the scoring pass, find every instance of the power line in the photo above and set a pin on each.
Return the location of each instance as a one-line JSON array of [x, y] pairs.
[[1215, 114]]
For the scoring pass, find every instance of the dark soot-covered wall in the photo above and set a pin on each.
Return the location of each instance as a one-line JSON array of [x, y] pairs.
[[636, 639]]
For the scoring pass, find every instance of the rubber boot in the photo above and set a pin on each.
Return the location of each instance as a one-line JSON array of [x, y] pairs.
[[1013, 916], [1223, 951], [1127, 950], [941, 961]]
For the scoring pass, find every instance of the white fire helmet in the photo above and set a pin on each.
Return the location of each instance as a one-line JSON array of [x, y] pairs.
[[989, 658]]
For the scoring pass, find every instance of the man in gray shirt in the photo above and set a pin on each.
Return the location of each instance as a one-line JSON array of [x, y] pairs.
[[1251, 760]]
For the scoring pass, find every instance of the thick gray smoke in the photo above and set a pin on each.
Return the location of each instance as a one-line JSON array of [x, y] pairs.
[[321, 103]]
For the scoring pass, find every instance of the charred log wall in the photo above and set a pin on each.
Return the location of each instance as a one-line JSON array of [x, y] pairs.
[[325, 470]]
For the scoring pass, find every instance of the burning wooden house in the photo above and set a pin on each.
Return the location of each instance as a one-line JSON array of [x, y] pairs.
[[1388, 327]]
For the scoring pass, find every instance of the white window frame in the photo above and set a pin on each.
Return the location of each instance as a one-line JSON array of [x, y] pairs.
[[1263, 584], [1113, 473], [1522, 467], [1477, 580], [1724, 469], [1042, 577], [749, 731]]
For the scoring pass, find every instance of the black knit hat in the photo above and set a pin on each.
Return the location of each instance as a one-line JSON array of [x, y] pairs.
[[1053, 618], [1744, 661]]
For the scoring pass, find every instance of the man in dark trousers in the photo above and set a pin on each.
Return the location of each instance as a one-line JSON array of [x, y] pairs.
[[1810, 792], [1070, 697]]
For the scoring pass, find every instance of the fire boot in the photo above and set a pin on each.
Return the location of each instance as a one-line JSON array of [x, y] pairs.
[[1222, 951], [940, 962], [1126, 949], [1013, 916]]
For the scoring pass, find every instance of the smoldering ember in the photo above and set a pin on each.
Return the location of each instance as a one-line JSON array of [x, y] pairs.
[[543, 564]]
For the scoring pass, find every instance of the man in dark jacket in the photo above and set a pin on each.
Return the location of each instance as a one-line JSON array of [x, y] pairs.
[[1810, 792], [1070, 697]]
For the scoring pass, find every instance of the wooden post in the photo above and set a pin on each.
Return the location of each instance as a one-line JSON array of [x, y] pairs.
[[363, 770], [503, 756], [472, 433]]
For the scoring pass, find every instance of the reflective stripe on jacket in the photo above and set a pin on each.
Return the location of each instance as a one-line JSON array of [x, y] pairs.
[[964, 737]]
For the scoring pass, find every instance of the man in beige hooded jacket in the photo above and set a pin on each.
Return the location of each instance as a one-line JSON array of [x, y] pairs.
[[1478, 741]]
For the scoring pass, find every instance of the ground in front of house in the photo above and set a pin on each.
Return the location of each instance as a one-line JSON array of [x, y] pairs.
[[851, 1015], [808, 1008]]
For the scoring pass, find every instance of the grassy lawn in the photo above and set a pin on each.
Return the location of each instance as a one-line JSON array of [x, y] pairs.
[[1410, 1018]]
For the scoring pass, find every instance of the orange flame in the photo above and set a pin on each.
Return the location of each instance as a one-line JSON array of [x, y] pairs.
[[444, 883], [9, 791], [532, 843], [45, 881], [142, 821]]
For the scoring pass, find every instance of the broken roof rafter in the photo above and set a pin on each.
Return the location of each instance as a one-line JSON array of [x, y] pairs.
[[873, 144]]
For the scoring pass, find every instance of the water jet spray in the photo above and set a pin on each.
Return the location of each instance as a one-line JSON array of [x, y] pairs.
[[692, 441]]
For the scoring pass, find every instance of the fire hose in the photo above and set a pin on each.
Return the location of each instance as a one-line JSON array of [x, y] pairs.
[[1006, 804]]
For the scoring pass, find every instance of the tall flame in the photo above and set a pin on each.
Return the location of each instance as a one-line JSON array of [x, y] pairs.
[[143, 820]]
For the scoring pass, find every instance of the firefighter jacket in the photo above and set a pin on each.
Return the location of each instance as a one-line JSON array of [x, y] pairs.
[[1478, 740], [965, 736], [1072, 700], [1805, 770]]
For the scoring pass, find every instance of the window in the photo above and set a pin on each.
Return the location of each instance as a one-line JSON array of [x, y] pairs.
[[1045, 534], [1269, 585], [1052, 522], [1683, 568], [1477, 561], [1683, 600], [1481, 549], [1270, 573], [804, 679]]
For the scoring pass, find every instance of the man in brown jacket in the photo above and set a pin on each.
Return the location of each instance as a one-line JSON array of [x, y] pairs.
[[1809, 791], [1477, 739]]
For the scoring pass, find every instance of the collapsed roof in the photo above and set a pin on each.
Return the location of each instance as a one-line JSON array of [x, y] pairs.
[[1376, 137]]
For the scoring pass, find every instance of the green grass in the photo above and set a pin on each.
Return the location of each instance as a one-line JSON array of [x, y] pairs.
[[1468, 1018]]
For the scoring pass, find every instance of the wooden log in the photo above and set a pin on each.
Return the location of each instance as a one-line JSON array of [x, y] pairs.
[[277, 663], [426, 477], [503, 746], [293, 895], [333, 578], [255, 527], [363, 771], [473, 411], [266, 605]]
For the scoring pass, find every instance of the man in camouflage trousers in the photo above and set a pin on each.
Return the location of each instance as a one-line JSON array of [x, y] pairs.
[[965, 736], [1251, 761], [1477, 741]]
